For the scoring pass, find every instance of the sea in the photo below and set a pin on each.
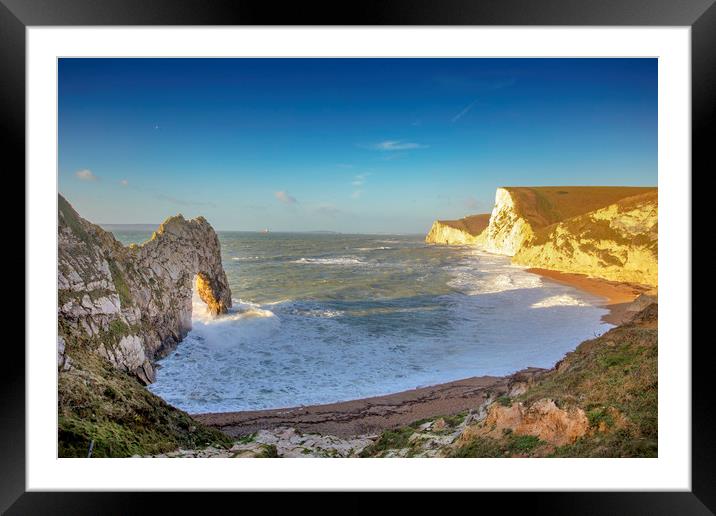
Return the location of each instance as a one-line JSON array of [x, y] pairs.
[[323, 317]]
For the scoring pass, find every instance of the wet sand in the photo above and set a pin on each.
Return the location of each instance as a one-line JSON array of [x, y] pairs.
[[371, 415]]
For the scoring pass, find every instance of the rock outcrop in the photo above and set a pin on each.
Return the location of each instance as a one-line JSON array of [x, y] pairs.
[[132, 305], [457, 232], [543, 419]]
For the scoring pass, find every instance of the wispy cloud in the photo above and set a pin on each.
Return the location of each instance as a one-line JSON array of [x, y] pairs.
[[357, 183], [124, 182], [283, 197], [85, 175], [396, 145], [359, 180], [184, 202], [464, 111]]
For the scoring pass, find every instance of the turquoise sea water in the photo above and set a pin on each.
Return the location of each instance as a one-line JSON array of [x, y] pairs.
[[320, 318]]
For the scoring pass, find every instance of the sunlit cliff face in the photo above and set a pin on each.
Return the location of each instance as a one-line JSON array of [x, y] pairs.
[[508, 230], [209, 292]]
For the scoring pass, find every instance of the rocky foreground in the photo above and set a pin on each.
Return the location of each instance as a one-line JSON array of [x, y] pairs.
[[599, 401]]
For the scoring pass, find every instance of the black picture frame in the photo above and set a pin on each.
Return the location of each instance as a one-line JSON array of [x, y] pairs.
[[700, 15]]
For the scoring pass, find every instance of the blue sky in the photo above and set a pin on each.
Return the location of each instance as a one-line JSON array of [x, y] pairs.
[[353, 145]]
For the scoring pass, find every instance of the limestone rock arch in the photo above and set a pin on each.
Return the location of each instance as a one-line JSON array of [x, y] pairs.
[[133, 304]]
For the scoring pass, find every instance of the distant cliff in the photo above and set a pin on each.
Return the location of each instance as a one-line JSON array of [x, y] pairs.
[[601, 231], [457, 232], [132, 304], [520, 212]]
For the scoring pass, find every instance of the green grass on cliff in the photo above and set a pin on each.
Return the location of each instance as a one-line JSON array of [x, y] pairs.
[[612, 378], [120, 285], [510, 446], [101, 404], [72, 219]]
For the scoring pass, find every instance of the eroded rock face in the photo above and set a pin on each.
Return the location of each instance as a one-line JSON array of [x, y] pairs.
[[542, 419], [133, 304]]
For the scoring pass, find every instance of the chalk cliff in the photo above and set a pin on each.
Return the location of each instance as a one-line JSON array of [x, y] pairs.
[[520, 212], [132, 305], [457, 232], [618, 242], [606, 232]]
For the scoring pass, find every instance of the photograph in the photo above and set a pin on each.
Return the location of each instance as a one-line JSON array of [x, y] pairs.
[[372, 257]]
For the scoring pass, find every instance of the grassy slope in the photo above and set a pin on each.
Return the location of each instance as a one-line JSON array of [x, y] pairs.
[[613, 378], [545, 205], [100, 403]]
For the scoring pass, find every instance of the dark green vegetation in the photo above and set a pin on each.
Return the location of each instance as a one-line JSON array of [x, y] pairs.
[[102, 404], [510, 446], [389, 440], [269, 452], [72, 220], [399, 438], [120, 285]]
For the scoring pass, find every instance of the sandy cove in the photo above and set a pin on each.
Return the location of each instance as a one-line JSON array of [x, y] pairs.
[[617, 296], [372, 415]]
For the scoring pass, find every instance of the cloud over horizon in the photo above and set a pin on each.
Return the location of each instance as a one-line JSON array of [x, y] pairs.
[[285, 198], [357, 183], [85, 175]]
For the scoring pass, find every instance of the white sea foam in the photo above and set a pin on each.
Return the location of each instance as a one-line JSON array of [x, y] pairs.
[[344, 260], [560, 300], [246, 258], [481, 273], [239, 310]]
